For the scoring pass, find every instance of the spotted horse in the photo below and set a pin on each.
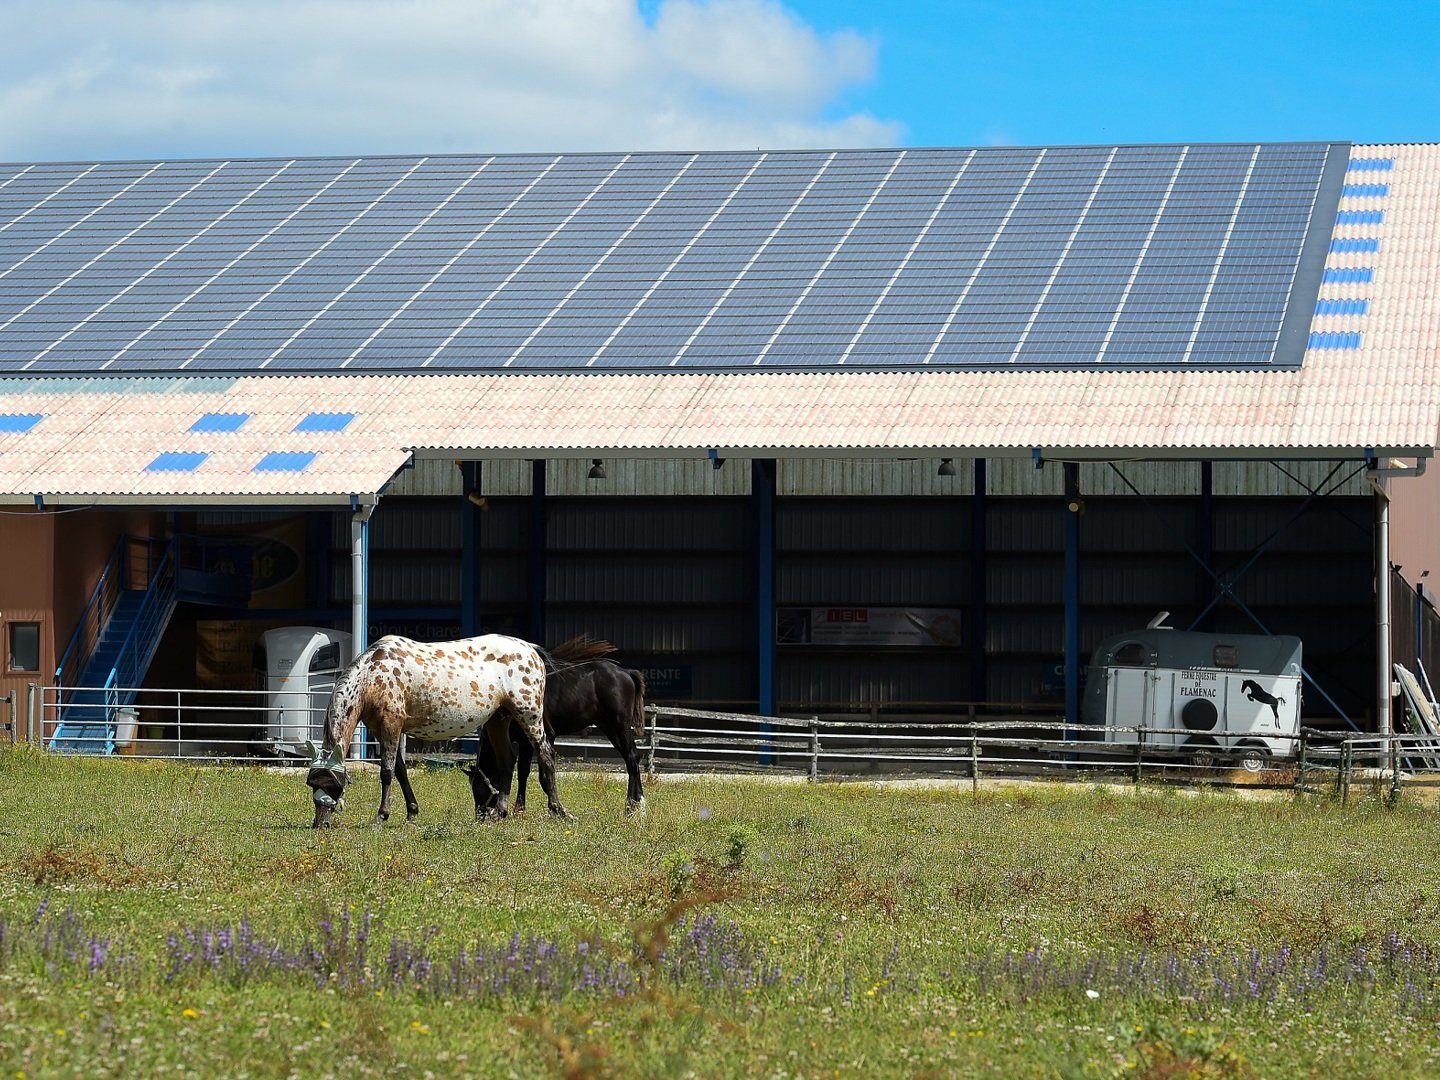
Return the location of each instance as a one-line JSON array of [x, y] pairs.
[[398, 687]]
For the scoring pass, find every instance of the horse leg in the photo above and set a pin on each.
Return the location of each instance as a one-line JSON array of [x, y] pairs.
[[497, 731], [534, 727], [402, 773], [522, 770], [483, 775], [389, 750], [635, 791]]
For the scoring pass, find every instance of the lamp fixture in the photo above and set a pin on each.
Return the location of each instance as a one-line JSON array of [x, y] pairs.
[[597, 470], [947, 467]]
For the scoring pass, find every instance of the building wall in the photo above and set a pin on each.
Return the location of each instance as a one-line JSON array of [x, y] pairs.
[[26, 596], [1415, 528]]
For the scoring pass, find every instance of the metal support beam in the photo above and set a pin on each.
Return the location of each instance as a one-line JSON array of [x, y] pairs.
[[762, 498], [538, 548], [979, 587], [1072, 593], [1205, 544], [360, 597], [470, 549], [1383, 720]]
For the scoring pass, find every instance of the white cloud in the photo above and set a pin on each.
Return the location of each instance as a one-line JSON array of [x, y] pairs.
[[95, 79]]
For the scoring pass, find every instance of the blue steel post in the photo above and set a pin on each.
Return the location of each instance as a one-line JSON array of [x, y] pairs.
[[762, 497], [1072, 599], [469, 551], [538, 547], [979, 587], [1206, 549]]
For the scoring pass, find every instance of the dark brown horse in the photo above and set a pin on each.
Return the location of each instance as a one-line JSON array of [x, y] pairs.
[[583, 688]]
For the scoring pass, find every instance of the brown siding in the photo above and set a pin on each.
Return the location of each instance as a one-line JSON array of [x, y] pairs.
[[26, 577]]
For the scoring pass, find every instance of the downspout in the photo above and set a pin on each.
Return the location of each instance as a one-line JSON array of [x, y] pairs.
[[1384, 723], [359, 595]]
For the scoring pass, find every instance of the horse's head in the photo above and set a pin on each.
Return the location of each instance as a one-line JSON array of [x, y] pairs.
[[327, 779]]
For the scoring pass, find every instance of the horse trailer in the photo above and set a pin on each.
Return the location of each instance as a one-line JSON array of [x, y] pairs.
[[1208, 697], [296, 666]]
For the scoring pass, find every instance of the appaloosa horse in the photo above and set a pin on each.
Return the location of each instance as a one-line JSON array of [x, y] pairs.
[[583, 688], [399, 687]]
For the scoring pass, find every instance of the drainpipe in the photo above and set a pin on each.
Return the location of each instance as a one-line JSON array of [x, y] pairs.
[[359, 596], [1382, 605], [1376, 474]]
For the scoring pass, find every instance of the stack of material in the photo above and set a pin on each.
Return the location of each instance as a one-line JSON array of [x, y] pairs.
[[1422, 719]]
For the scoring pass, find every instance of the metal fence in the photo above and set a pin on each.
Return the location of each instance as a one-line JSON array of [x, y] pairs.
[[247, 727]]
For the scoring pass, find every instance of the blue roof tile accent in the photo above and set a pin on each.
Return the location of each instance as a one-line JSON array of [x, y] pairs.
[[1349, 245], [1342, 307], [220, 422], [1371, 164], [1329, 339], [1365, 191], [1349, 275], [285, 461], [1360, 217], [325, 422], [177, 461], [19, 423]]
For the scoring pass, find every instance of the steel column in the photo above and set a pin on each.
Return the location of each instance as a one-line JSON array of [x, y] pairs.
[[538, 548], [979, 587], [1072, 596], [762, 498], [469, 550], [1384, 676]]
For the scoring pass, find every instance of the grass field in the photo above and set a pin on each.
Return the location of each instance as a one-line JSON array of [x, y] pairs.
[[165, 919]]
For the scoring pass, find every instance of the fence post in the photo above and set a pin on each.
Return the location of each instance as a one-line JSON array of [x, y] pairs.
[[1139, 752], [1394, 759], [10, 725], [1300, 773], [31, 727], [814, 749], [650, 749], [974, 761], [1347, 755]]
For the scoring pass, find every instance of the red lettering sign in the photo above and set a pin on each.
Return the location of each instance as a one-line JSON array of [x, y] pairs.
[[847, 615]]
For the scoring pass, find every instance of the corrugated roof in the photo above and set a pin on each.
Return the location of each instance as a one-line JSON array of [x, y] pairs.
[[1372, 384]]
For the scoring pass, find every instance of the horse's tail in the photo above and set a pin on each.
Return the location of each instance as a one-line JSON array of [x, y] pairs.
[[637, 705]]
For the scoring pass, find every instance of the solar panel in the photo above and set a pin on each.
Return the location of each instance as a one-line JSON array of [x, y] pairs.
[[1061, 257]]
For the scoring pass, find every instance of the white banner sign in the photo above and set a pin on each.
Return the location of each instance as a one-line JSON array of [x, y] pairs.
[[913, 626]]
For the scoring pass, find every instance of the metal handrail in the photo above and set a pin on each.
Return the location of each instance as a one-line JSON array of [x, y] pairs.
[[96, 598], [154, 608]]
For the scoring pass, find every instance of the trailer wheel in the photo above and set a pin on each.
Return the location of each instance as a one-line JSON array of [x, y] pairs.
[[1204, 751], [1253, 757], [1199, 714]]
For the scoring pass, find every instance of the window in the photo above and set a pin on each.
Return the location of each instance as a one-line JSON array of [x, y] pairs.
[[1131, 654], [24, 646], [1227, 656]]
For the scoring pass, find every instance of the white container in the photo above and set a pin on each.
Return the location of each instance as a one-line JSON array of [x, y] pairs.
[[299, 665]]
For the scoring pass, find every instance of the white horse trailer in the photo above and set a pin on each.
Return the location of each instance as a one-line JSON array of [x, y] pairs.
[[298, 665], [1213, 697]]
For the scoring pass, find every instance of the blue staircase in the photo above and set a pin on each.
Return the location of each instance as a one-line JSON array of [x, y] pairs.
[[112, 647]]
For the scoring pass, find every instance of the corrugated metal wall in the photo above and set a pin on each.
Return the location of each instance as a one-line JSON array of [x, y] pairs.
[[915, 476], [671, 579]]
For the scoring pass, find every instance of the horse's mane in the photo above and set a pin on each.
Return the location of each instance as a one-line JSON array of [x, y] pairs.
[[578, 649]]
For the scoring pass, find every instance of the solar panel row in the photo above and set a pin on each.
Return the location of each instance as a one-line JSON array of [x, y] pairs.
[[1112, 256]]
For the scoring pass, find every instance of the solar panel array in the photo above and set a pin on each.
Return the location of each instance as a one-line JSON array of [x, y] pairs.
[[1111, 257]]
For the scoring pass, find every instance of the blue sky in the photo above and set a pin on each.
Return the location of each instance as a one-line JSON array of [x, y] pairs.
[[105, 79], [976, 72]]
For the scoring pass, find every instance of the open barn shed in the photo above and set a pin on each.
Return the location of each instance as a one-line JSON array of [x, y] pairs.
[[897, 432]]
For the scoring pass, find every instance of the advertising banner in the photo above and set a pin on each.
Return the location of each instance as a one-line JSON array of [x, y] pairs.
[[851, 625]]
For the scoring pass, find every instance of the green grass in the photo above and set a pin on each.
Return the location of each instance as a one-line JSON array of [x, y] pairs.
[[890, 914]]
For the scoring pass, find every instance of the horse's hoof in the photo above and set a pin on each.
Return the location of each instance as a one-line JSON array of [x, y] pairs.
[[635, 809]]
